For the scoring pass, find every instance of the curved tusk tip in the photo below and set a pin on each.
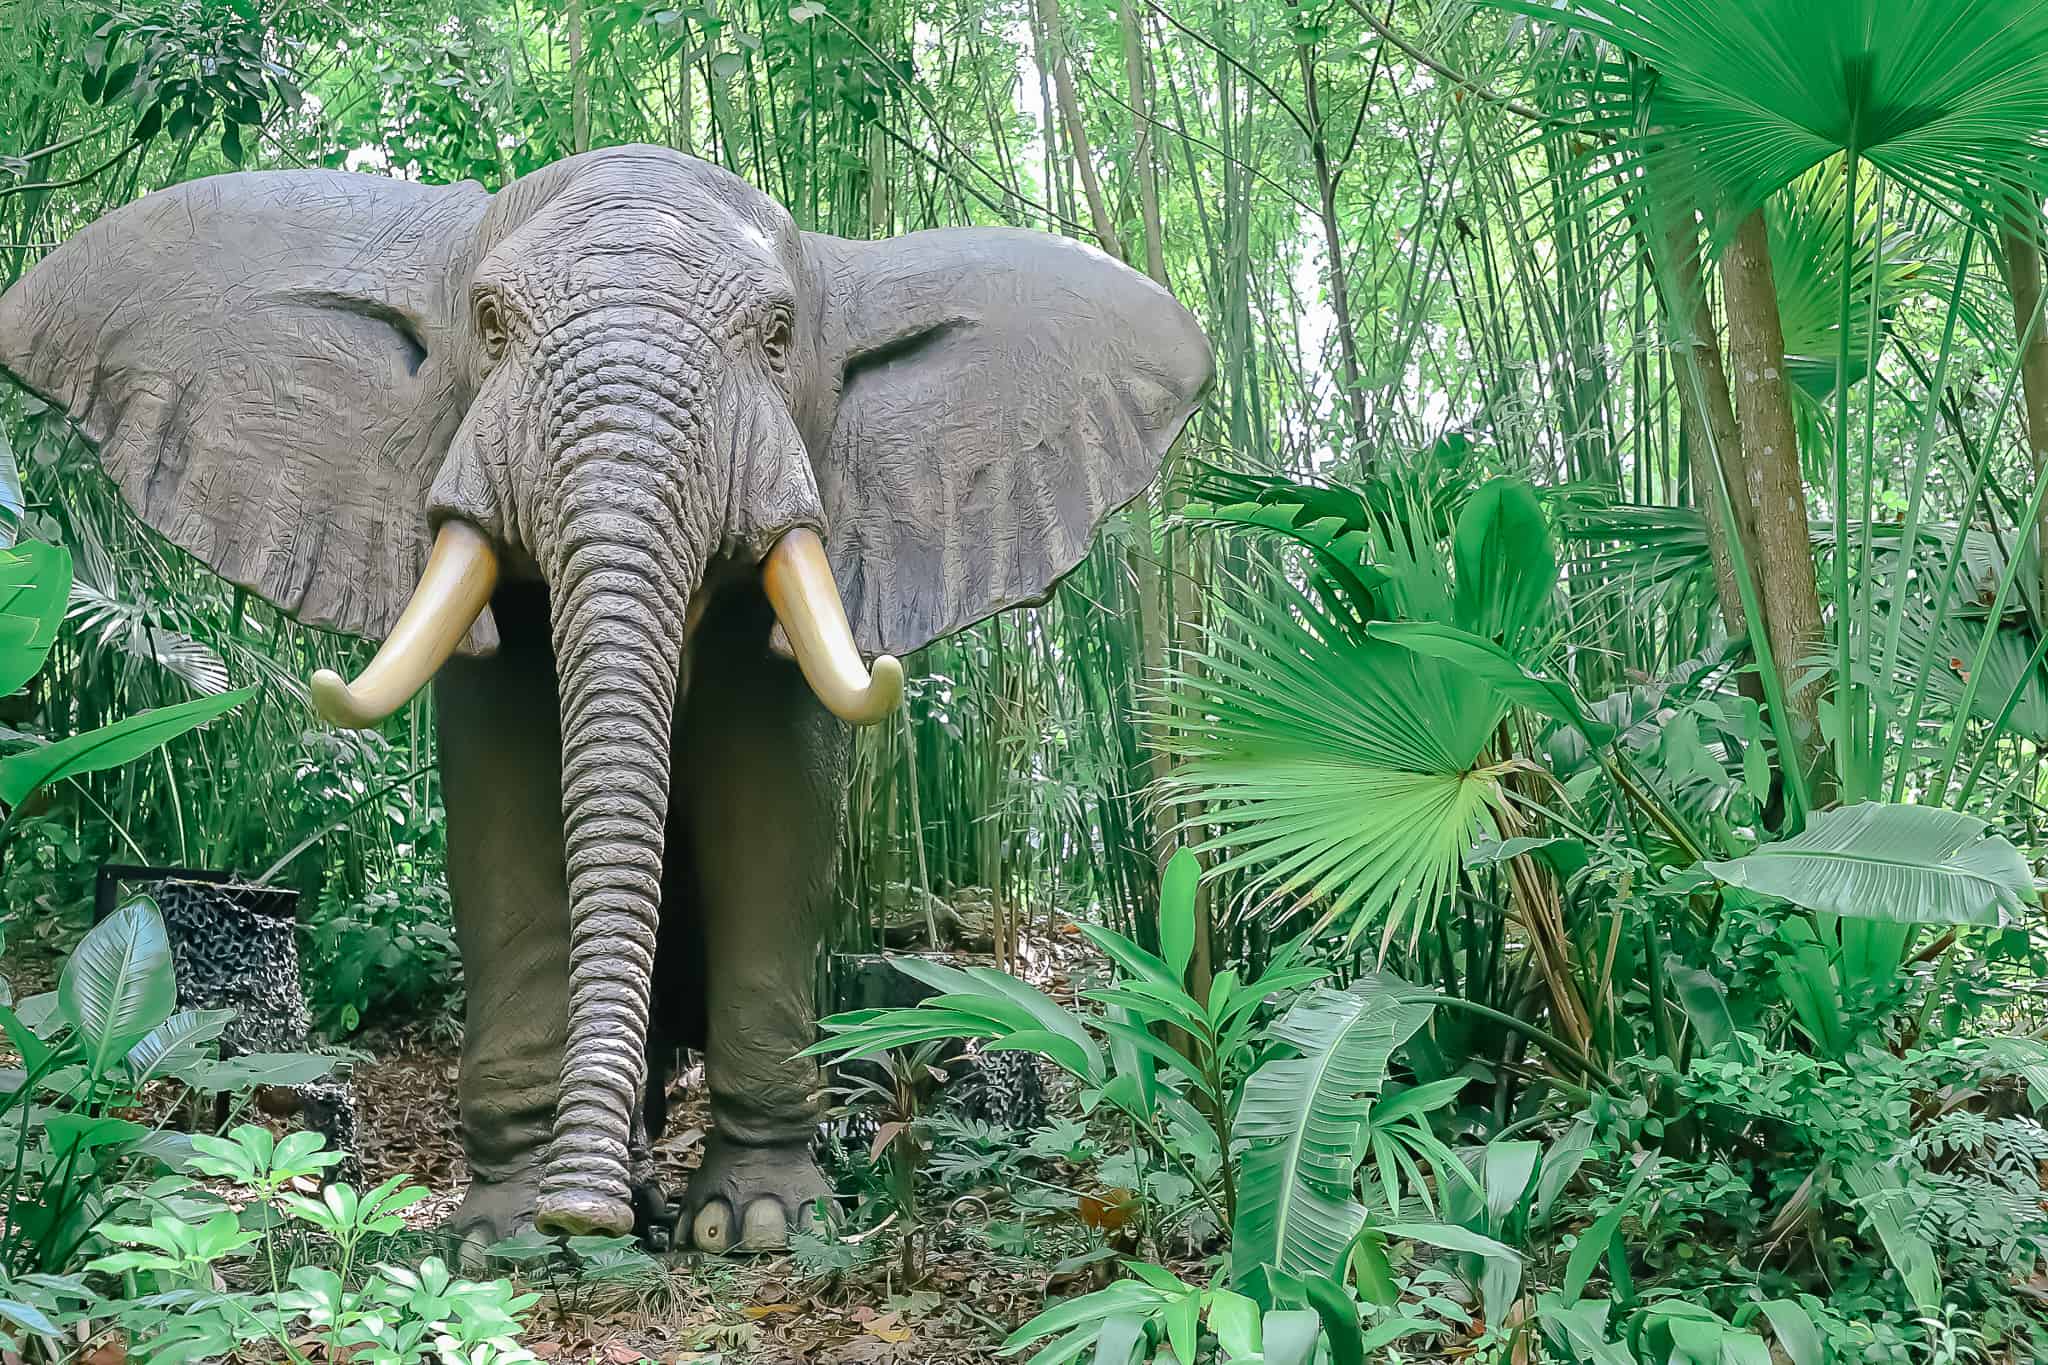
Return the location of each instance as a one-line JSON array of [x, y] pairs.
[[888, 676], [336, 704], [884, 692]]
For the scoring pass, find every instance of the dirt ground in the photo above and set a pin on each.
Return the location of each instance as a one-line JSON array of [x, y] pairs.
[[763, 1309], [740, 1309]]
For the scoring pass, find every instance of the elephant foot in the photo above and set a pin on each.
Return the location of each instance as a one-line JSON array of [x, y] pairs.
[[494, 1210], [749, 1198]]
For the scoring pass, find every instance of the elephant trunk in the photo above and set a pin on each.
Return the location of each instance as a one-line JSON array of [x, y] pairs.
[[622, 553]]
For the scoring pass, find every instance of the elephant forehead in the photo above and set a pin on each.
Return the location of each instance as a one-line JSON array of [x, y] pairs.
[[688, 252]]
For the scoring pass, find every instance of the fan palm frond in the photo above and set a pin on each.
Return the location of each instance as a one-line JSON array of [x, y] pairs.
[[1950, 100], [1335, 766], [1811, 241]]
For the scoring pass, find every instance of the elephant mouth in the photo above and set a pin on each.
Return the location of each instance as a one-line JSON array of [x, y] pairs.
[[462, 573]]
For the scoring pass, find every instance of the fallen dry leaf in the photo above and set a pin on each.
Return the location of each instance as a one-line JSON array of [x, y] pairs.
[[888, 1327], [762, 1310], [113, 1351], [1109, 1210]]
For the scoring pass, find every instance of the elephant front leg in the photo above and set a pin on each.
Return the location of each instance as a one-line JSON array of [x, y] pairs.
[[501, 780], [767, 799]]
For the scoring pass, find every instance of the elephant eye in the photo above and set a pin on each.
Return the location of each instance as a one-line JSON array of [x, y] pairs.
[[775, 340], [490, 324]]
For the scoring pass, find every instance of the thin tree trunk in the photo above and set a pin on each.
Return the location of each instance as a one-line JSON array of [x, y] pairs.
[[579, 82], [1785, 577], [878, 182], [1333, 248], [686, 98], [1155, 605], [1138, 75], [1077, 128], [1055, 183], [2021, 243]]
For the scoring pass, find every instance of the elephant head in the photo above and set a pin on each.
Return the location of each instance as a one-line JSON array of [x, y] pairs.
[[368, 400]]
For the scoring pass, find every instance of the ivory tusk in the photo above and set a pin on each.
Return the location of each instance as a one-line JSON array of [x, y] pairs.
[[799, 583], [453, 591]]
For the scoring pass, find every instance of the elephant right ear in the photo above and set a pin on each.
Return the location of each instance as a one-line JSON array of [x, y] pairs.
[[272, 365]]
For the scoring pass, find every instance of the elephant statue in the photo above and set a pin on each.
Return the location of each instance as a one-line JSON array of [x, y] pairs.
[[642, 477]]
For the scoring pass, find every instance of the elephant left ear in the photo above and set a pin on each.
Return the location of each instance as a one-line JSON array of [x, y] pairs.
[[978, 401]]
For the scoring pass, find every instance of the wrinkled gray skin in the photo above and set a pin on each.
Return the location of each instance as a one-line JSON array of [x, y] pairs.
[[633, 373]]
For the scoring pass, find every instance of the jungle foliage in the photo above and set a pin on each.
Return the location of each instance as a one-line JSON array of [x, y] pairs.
[[1552, 775]]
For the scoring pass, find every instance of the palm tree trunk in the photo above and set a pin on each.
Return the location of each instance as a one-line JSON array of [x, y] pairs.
[[1707, 417], [2021, 243], [1785, 576]]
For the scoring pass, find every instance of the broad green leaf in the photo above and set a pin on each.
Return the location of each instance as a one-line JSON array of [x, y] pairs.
[[1916, 864], [1129, 1065], [1291, 1336], [175, 1041], [29, 1317], [1882, 1194], [1330, 522], [1583, 1328], [1419, 1099], [1339, 1318], [1183, 1324], [1016, 1001], [1561, 1161], [1235, 1321], [1506, 568], [1496, 668], [1366, 1262], [70, 1130], [35, 585], [1121, 1339], [1301, 1117], [1706, 1004], [1451, 1237], [1089, 1310], [1798, 1335], [118, 984], [1505, 1172], [110, 745], [252, 1069], [1177, 911], [1594, 1242]]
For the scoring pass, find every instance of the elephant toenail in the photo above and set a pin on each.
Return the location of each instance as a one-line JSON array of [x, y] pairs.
[[712, 1228], [766, 1227]]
